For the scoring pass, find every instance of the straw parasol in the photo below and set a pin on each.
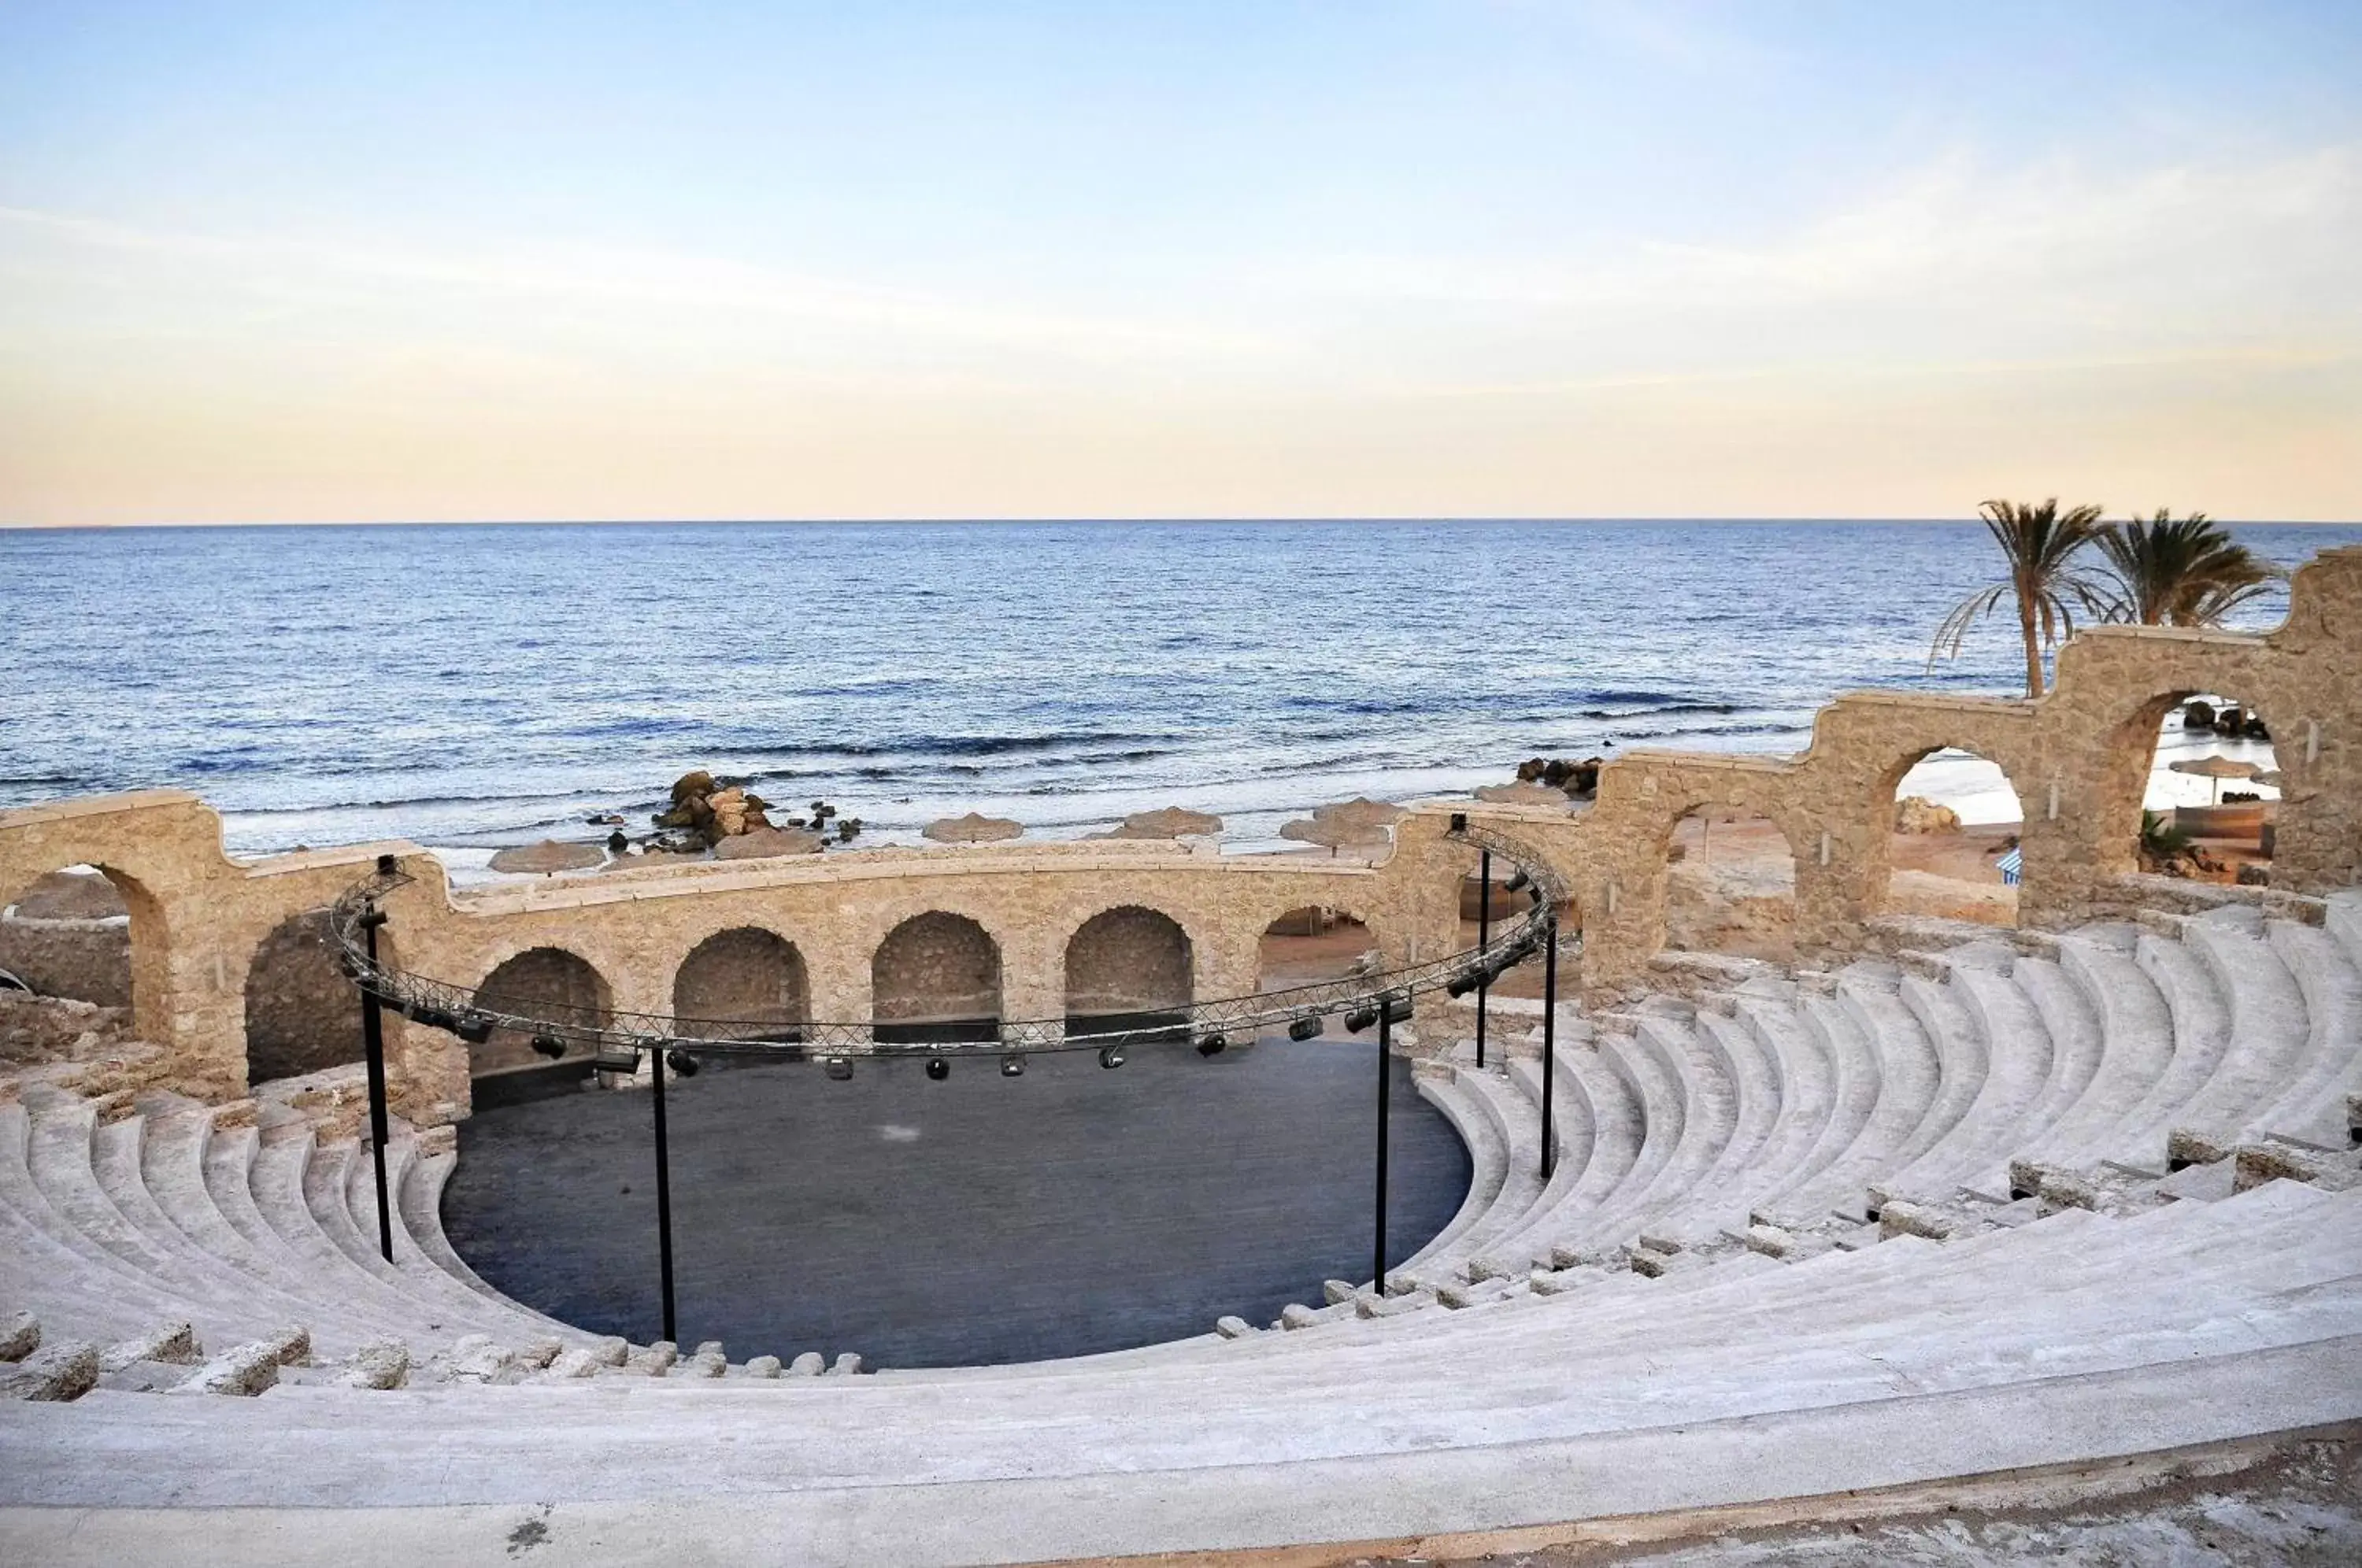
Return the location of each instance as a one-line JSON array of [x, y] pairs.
[[973, 828], [1522, 795], [761, 844], [1334, 833], [1166, 822], [2273, 779], [550, 855], [1360, 812], [2217, 769]]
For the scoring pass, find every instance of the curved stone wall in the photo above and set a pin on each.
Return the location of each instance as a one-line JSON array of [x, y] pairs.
[[2077, 758]]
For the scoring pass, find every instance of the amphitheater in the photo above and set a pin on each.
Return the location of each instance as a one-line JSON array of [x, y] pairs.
[[1938, 1209]]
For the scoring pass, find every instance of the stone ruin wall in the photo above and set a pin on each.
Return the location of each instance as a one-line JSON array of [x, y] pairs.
[[2077, 758]]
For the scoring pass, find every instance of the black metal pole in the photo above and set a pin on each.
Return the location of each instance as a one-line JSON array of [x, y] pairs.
[[1483, 939], [374, 1053], [1550, 1040], [1386, 1118], [664, 1196]]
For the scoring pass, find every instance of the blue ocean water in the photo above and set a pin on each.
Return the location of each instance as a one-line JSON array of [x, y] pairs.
[[471, 687]]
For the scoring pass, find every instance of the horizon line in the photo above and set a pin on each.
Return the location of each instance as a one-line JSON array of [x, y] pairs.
[[1379, 519]]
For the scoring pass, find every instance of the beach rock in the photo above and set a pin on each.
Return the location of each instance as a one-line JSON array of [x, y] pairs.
[[2198, 715], [1578, 780], [761, 844], [695, 783], [1917, 813], [2231, 720], [2253, 876]]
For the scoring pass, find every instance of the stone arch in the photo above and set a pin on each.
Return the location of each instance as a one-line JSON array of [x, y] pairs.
[[549, 983], [744, 983], [2128, 754], [1947, 884], [95, 933], [1129, 966], [1311, 943], [301, 1014], [936, 977], [1732, 873]]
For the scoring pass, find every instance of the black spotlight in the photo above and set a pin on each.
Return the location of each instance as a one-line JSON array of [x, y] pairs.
[[1213, 1044], [938, 1070], [1361, 1018], [616, 1059], [1398, 1008], [1110, 1055], [1461, 985], [1517, 880], [475, 1028], [548, 1045], [837, 1067], [1305, 1027], [682, 1063], [431, 1017], [1012, 1067]]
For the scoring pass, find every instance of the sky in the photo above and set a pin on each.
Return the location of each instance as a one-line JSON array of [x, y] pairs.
[[330, 262]]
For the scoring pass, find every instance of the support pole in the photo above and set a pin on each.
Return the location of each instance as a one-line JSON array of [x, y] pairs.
[[374, 1053], [1483, 939], [1386, 1117], [664, 1195], [1550, 1041]]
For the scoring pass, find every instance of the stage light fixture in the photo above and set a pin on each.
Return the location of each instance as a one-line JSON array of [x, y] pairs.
[[682, 1063], [837, 1067], [549, 1046], [1398, 1008], [1361, 1018], [1213, 1044], [1012, 1067], [1517, 880], [1110, 1055], [938, 1070], [475, 1028], [616, 1059], [1461, 985], [431, 1017], [1305, 1027]]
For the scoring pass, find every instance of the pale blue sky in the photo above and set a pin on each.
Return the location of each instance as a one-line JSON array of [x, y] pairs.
[[329, 261]]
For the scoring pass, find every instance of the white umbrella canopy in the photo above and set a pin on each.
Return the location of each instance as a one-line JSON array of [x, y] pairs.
[[1166, 822], [550, 855], [973, 828], [2217, 769]]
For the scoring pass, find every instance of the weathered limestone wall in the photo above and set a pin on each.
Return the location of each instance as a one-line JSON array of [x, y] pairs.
[[89, 960], [2077, 758], [935, 965], [748, 977], [1128, 960], [301, 1014]]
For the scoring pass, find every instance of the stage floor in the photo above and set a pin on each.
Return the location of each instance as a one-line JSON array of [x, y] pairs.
[[978, 1220]]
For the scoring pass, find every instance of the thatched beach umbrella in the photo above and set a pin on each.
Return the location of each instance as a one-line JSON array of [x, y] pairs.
[[973, 828], [2217, 769], [2272, 778], [1166, 822], [761, 844], [550, 855], [1361, 813], [1334, 833], [1522, 795]]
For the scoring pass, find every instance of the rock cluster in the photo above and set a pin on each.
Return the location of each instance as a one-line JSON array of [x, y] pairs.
[[2231, 720], [712, 810], [1917, 813], [1579, 779]]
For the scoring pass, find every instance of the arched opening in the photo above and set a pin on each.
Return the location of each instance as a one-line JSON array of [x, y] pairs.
[[1730, 885], [1316, 943], [1952, 842], [301, 1014], [743, 984], [541, 983], [2209, 795], [936, 978], [68, 935], [1127, 968]]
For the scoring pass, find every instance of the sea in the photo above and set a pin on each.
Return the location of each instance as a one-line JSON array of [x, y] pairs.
[[469, 688]]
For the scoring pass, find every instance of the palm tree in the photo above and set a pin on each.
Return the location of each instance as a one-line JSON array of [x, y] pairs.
[[2040, 543], [2177, 573]]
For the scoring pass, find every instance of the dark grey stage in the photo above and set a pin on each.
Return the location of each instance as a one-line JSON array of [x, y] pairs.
[[978, 1220]]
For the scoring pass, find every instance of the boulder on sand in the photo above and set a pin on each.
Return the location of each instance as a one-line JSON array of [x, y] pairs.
[[1917, 813], [550, 855], [1579, 780], [710, 811]]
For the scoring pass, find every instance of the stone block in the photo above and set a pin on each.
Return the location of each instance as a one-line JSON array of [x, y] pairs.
[[1336, 1290], [1900, 1217], [1296, 1314], [2193, 1146], [60, 1372], [540, 1352], [809, 1364], [475, 1359], [1234, 1327], [384, 1363], [847, 1365], [243, 1371], [289, 1346], [612, 1351], [20, 1336], [763, 1366], [176, 1343], [708, 1364], [709, 1347]]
